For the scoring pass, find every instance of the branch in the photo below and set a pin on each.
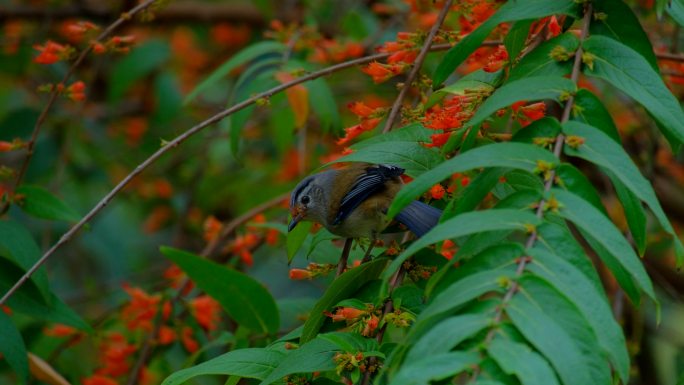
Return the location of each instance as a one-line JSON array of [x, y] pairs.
[[55, 91], [396, 107], [557, 148], [184, 136]]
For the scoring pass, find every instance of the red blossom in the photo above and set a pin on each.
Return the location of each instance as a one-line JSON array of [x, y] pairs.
[[51, 52], [350, 133], [371, 325], [115, 351], [6, 146], [345, 314], [300, 274], [381, 72], [554, 27], [212, 228], [534, 111], [166, 335], [76, 91], [206, 311], [189, 342], [448, 249], [438, 140], [497, 60], [437, 191], [140, 311], [60, 330], [360, 109], [272, 236]]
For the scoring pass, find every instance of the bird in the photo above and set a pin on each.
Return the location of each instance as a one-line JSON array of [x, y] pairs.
[[353, 202]]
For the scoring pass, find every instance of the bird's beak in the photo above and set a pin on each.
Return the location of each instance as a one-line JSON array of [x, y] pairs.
[[295, 219]]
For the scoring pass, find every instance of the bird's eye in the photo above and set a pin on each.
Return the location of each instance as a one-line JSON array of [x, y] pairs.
[[305, 199]]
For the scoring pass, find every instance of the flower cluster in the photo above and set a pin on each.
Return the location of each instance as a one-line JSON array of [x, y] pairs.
[[369, 118], [526, 114], [312, 271], [364, 321], [51, 52]]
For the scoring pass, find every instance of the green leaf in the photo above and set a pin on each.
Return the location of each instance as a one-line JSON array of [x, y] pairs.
[[140, 62], [41, 203], [675, 9], [296, 237], [574, 180], [245, 299], [467, 224], [434, 368], [621, 24], [516, 37], [12, 347], [545, 127], [468, 198], [592, 221], [17, 244], [632, 74], [537, 311], [588, 109], [401, 148], [314, 356], [323, 105], [590, 301], [351, 342], [460, 293], [245, 55], [510, 11], [246, 363], [57, 311], [446, 335], [530, 88], [634, 212], [341, 288], [511, 155], [518, 359], [540, 63], [601, 150]]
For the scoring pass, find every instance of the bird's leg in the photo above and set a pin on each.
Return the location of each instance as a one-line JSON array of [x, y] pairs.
[[342, 264], [367, 256]]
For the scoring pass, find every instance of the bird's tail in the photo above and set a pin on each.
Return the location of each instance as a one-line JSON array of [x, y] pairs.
[[419, 217]]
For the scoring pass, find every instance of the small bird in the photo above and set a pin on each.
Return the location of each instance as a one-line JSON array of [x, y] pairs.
[[353, 202]]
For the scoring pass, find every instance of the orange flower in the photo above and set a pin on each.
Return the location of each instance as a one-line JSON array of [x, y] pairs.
[[51, 52], [497, 60], [115, 351], [99, 380], [272, 236], [465, 181], [76, 30], [166, 335], [554, 27], [437, 191], [212, 228], [534, 111], [360, 109], [346, 314], [6, 146], [140, 312], [448, 249], [438, 140], [76, 91], [300, 274], [59, 330], [206, 311], [189, 342], [371, 325], [381, 72]]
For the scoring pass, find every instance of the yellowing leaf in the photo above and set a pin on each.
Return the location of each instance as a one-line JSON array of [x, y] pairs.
[[298, 97], [42, 371]]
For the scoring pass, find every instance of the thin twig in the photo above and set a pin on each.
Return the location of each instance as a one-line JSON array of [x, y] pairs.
[[396, 107], [557, 148], [342, 264], [55, 92], [184, 136]]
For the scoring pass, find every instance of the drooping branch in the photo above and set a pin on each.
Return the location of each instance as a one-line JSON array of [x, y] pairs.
[[557, 149], [66, 237], [55, 91]]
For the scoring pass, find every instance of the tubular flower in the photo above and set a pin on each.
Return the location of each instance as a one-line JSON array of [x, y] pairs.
[[534, 111], [189, 342], [166, 335], [381, 72], [140, 312], [438, 140], [115, 351], [206, 311], [448, 249], [76, 91], [370, 326], [346, 314], [51, 52], [300, 274], [75, 31], [437, 191], [350, 133], [497, 60], [60, 330]]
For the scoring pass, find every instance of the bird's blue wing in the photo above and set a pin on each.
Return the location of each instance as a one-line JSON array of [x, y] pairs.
[[371, 181]]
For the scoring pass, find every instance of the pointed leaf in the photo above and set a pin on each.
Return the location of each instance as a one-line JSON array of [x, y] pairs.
[[247, 54], [537, 312], [41, 203], [295, 239], [530, 88], [314, 356], [341, 288], [589, 219], [518, 359], [447, 334], [589, 109], [510, 11], [590, 301], [17, 244], [243, 363], [245, 299], [511, 155], [466, 224], [540, 63], [628, 71], [516, 37], [435, 368], [601, 150], [12, 347]]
